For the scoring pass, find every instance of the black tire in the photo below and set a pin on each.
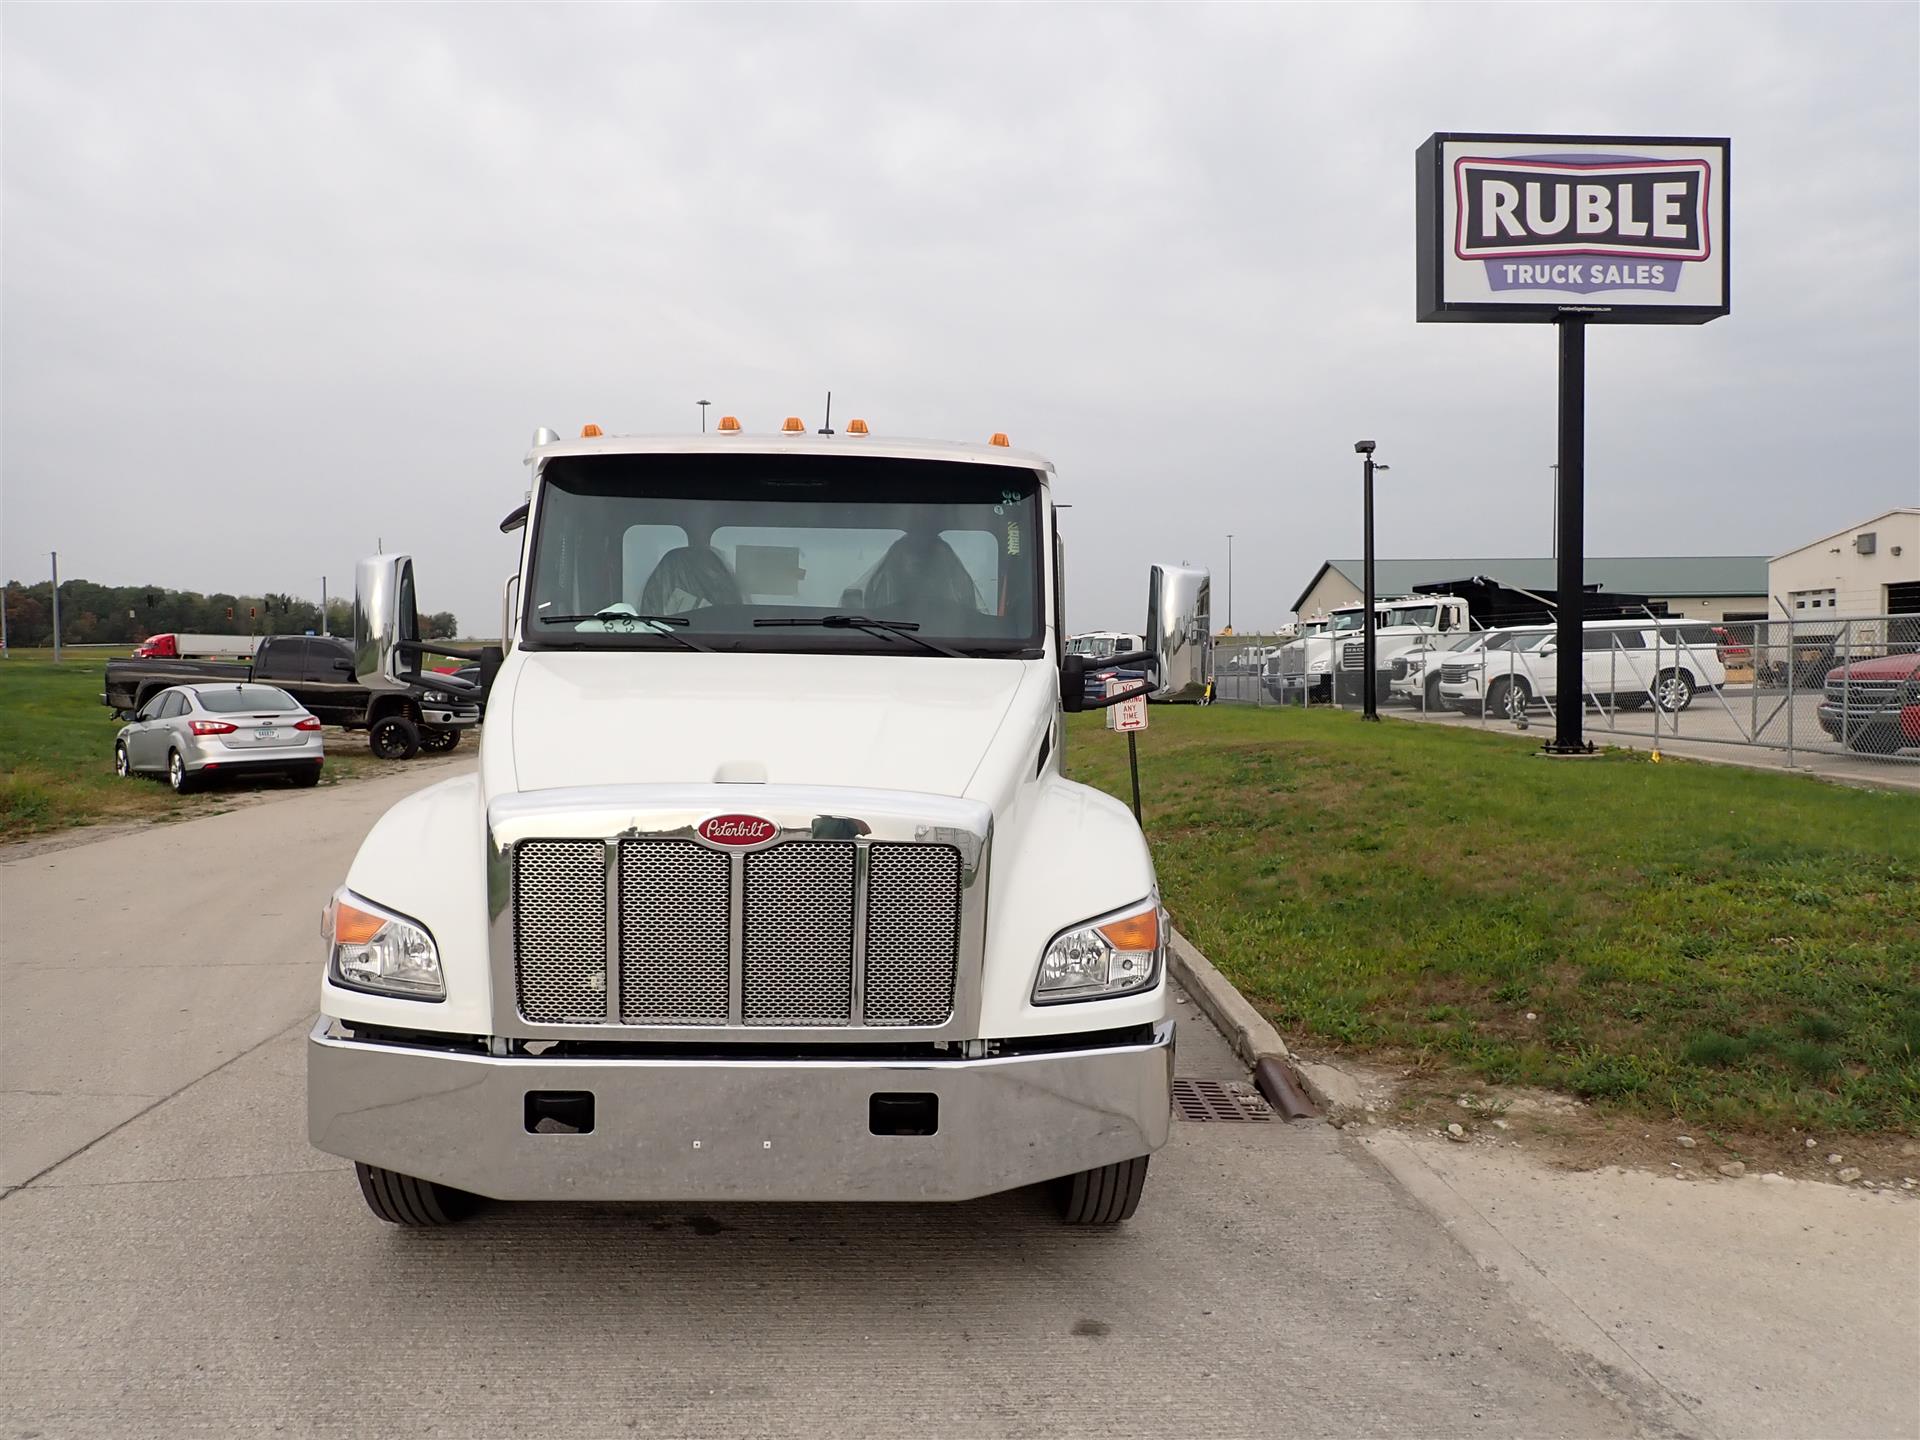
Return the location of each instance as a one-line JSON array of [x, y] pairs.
[[1631, 702], [1436, 702], [1105, 1196], [183, 780], [122, 766], [402, 1200], [306, 779], [1673, 690], [1874, 740], [1507, 695], [394, 737], [439, 742]]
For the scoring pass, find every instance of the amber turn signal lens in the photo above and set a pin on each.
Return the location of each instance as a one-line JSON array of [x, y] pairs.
[[352, 926], [1136, 932]]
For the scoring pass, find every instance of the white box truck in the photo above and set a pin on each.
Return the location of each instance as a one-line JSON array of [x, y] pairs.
[[769, 885]]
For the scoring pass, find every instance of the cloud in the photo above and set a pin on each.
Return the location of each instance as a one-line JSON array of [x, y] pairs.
[[281, 281]]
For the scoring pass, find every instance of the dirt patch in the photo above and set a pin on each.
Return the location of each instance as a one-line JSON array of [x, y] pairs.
[[1569, 1134]]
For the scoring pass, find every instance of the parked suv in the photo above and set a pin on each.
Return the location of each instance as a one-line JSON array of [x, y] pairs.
[[1626, 663]]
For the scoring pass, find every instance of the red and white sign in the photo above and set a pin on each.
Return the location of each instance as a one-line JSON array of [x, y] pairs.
[[1128, 714], [737, 830]]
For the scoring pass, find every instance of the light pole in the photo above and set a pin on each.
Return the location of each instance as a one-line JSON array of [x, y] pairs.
[[1369, 710], [703, 414], [1230, 629]]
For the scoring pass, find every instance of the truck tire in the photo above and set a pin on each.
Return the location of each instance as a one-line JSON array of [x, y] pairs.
[[402, 1200], [439, 742], [1873, 739], [1105, 1196], [394, 737]]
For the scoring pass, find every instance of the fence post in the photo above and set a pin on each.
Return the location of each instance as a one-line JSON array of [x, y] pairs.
[[1792, 686]]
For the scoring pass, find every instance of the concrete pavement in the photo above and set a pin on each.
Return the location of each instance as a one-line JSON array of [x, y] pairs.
[[178, 1261]]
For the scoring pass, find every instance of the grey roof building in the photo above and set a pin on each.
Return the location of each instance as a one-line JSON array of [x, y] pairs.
[[1710, 586]]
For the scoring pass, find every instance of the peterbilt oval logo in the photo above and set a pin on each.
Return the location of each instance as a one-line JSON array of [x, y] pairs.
[[737, 830]]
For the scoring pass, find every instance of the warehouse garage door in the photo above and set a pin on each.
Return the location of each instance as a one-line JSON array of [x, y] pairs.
[[1904, 599]]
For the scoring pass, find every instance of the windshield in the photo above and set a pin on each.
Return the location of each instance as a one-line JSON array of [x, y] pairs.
[[1347, 620], [1467, 642], [718, 542], [231, 701], [1314, 627], [1413, 615]]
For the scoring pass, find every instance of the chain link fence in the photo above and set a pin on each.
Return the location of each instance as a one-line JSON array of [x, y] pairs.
[[1837, 687]]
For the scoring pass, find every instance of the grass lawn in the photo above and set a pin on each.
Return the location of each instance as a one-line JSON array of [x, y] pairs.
[[56, 752], [1721, 945]]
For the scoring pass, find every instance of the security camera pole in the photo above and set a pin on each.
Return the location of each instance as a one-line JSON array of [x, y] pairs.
[[1369, 710]]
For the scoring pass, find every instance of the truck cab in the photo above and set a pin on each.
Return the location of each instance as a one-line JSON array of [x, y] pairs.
[[1410, 623], [769, 884], [1310, 661]]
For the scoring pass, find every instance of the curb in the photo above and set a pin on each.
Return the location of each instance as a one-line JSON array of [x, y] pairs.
[[1246, 1030]]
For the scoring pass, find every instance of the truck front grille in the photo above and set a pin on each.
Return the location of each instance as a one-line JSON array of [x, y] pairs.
[[764, 938], [1352, 654]]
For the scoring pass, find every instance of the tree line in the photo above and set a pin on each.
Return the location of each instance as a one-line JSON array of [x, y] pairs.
[[93, 614]]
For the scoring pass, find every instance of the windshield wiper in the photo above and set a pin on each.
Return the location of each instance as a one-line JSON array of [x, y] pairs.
[[885, 629], [604, 616]]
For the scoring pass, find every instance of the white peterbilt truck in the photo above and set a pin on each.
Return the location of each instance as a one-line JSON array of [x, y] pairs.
[[769, 885]]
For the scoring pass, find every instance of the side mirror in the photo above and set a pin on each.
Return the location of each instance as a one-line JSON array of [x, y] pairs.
[[516, 519], [1180, 632], [385, 622]]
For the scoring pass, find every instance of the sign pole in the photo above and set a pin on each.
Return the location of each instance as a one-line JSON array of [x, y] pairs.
[[56, 606], [1133, 764], [1569, 661]]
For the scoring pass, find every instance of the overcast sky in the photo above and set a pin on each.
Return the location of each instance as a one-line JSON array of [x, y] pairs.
[[279, 281]]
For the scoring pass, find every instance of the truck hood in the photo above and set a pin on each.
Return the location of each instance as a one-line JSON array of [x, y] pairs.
[[1884, 667], [879, 721]]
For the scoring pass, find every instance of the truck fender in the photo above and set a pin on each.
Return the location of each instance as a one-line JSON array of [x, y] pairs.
[[1075, 854], [425, 859]]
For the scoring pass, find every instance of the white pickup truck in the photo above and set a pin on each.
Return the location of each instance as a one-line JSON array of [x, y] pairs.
[[769, 885]]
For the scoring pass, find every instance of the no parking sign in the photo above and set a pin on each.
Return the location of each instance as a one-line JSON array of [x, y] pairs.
[[1128, 714]]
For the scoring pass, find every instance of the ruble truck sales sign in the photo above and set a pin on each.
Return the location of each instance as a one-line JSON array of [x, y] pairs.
[[1617, 229]]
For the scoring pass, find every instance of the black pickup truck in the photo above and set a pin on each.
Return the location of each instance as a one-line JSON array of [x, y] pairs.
[[318, 672]]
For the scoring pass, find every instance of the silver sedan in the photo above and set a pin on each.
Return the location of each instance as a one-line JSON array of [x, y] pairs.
[[191, 733]]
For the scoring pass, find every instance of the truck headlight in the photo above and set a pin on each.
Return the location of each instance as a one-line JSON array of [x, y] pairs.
[[1115, 954], [373, 949], [1318, 667], [436, 697]]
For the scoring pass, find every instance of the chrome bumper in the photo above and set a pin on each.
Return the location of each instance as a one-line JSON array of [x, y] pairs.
[[446, 717], [711, 1129]]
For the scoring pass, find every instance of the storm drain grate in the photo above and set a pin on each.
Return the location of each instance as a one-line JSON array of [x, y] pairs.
[[1204, 1100]]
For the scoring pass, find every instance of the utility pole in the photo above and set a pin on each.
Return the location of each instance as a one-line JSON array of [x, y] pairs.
[[1369, 710], [56, 606], [323, 604], [1555, 541], [6, 589]]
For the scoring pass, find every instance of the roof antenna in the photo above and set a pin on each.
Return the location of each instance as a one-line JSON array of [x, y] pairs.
[[827, 428]]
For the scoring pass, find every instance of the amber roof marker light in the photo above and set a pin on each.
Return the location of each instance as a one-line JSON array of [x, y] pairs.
[[728, 425], [793, 425], [857, 427], [999, 438], [590, 432]]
